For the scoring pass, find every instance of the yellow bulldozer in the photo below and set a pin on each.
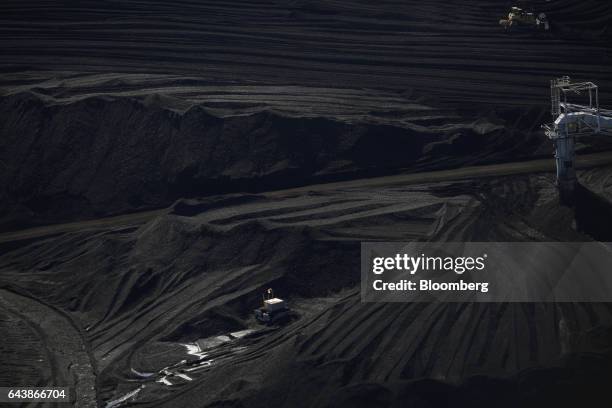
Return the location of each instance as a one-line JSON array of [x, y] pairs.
[[518, 17]]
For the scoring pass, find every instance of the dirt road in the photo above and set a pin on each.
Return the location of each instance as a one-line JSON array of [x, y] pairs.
[[497, 170]]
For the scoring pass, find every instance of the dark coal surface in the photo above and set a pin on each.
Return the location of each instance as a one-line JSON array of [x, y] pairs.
[[199, 271], [450, 50], [78, 156], [109, 107], [23, 351]]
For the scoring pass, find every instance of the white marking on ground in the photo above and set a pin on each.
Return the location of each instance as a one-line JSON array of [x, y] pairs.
[[164, 381], [124, 398], [143, 375], [201, 365], [184, 376], [240, 334], [195, 350]]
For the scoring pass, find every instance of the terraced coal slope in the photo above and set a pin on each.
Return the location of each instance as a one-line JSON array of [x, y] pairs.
[[93, 145], [452, 51], [199, 270], [110, 107]]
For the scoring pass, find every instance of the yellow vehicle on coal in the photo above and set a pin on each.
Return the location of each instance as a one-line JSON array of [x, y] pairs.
[[518, 17]]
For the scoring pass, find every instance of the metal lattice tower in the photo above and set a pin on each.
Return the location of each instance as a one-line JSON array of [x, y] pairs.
[[573, 120], [555, 93]]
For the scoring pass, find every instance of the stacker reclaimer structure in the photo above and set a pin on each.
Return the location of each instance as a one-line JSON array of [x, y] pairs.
[[518, 17], [572, 121]]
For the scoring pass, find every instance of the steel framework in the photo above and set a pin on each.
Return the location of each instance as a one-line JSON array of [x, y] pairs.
[[571, 121]]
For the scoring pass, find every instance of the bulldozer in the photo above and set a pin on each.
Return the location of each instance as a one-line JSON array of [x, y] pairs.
[[273, 310], [518, 17]]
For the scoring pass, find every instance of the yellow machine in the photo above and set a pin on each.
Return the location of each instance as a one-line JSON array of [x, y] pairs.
[[518, 17]]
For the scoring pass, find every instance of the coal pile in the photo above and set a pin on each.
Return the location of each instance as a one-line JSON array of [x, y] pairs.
[[232, 118]]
